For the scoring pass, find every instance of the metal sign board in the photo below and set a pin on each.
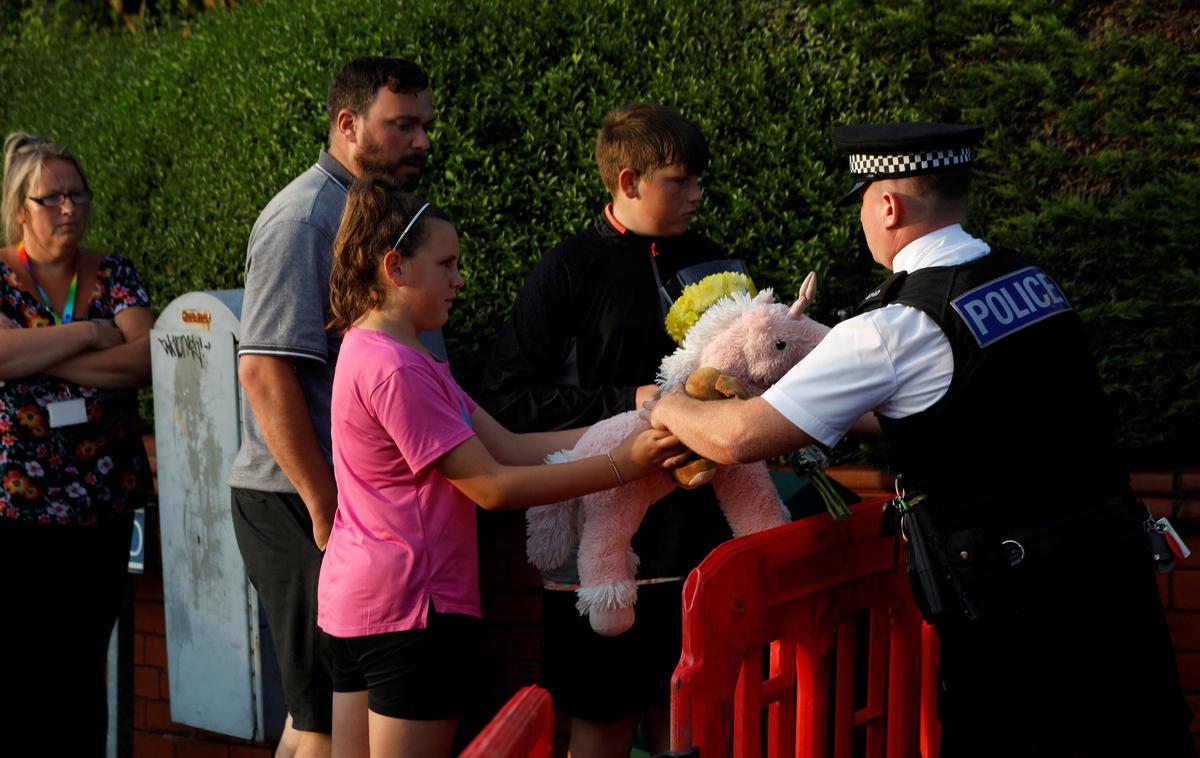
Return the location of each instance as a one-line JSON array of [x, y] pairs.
[[213, 646]]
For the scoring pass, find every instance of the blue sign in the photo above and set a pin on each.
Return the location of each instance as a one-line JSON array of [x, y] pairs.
[[137, 543], [1007, 305]]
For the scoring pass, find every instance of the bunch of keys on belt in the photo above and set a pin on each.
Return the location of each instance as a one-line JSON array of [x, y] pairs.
[[1165, 543]]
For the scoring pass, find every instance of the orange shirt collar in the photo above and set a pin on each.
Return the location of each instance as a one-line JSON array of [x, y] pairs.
[[608, 214]]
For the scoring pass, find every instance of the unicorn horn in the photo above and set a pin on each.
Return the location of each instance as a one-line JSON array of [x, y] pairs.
[[808, 293]]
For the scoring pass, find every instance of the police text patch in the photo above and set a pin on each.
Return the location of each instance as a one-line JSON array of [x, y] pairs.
[[1007, 305]]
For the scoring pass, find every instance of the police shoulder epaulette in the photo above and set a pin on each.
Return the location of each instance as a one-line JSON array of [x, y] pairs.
[[884, 293]]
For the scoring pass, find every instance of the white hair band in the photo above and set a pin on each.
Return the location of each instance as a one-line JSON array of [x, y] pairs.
[[412, 221]]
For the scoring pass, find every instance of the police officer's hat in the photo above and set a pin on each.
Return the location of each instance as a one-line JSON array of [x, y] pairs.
[[891, 151]]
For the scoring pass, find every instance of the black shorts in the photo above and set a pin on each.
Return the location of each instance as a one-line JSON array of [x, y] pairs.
[[420, 674], [274, 535], [601, 678]]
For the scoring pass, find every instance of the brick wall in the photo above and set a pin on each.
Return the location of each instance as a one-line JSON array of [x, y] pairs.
[[1176, 495], [512, 612], [154, 734]]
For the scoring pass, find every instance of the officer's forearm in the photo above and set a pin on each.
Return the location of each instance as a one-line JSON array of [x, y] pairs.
[[729, 431]]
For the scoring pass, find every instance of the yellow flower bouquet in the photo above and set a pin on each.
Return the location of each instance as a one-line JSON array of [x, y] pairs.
[[697, 296]]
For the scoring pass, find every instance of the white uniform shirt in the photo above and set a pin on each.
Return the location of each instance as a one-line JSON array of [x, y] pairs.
[[894, 360]]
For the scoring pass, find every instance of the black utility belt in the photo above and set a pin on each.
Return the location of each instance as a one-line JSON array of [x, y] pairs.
[[957, 574], [1117, 527]]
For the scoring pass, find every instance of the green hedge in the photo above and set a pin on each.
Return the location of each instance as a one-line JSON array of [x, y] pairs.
[[1090, 162]]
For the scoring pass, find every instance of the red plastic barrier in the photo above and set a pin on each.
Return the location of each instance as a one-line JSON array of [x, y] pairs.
[[523, 728], [824, 607]]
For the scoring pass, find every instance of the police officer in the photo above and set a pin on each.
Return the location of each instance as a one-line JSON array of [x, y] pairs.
[[972, 360]]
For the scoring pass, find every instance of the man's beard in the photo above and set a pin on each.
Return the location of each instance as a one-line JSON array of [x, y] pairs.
[[371, 162]]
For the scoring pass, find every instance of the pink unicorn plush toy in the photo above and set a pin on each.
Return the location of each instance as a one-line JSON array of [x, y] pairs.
[[750, 338]]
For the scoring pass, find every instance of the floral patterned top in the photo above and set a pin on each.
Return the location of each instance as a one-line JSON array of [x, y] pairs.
[[80, 474]]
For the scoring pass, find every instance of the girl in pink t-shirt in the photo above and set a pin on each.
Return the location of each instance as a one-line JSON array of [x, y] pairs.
[[413, 455]]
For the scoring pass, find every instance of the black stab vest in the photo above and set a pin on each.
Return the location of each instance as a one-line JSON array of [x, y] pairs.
[[1022, 436]]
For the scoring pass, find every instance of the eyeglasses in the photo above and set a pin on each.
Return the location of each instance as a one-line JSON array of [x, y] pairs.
[[53, 200]]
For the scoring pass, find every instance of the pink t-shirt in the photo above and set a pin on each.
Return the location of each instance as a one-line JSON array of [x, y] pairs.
[[403, 535]]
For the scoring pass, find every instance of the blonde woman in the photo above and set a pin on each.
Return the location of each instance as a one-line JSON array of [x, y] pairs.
[[74, 347]]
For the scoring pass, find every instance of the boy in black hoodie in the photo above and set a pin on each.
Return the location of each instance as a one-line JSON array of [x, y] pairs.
[[583, 343]]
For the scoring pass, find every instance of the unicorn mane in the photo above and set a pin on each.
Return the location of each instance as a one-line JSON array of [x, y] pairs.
[[676, 367]]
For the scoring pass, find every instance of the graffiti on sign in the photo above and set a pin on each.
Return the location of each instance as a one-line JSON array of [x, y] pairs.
[[191, 346]]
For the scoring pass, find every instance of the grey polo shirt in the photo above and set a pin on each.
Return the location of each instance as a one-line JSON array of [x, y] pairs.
[[285, 308]]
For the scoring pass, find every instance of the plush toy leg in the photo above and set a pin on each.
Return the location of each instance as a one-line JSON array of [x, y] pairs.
[[606, 564], [694, 473], [611, 606], [552, 530], [749, 499], [706, 384]]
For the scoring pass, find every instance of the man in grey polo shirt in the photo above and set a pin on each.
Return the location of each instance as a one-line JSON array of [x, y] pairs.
[[284, 496]]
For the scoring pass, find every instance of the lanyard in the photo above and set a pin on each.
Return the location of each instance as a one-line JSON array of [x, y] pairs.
[[69, 306]]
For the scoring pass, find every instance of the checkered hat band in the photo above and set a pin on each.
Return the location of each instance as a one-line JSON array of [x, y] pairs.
[[884, 165]]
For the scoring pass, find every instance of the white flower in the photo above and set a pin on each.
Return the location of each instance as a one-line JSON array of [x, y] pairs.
[[33, 468], [811, 457], [75, 489]]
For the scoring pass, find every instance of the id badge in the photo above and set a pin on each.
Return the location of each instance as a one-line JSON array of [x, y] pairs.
[[67, 412]]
